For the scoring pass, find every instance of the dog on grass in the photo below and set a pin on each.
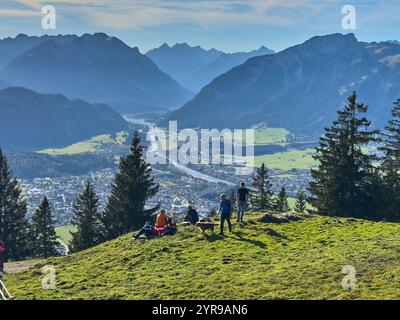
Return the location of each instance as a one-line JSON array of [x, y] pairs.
[[205, 225]]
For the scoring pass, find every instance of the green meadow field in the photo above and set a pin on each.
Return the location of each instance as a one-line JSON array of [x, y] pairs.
[[279, 258], [91, 145]]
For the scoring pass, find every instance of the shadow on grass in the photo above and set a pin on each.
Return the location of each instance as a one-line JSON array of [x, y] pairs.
[[213, 237], [254, 242], [271, 232], [275, 234]]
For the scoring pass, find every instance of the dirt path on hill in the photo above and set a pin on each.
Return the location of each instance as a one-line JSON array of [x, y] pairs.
[[13, 267]]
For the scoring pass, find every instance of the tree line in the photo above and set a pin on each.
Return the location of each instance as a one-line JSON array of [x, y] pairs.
[[351, 178], [126, 211]]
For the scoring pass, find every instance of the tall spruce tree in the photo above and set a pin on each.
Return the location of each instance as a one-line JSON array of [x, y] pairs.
[[13, 225], [87, 220], [233, 200], [281, 202], [346, 182], [133, 186], [301, 201], [44, 237], [262, 198], [390, 165]]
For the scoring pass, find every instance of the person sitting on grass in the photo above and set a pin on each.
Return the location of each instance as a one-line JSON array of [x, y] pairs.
[[170, 227], [161, 226], [162, 219], [191, 216], [147, 231], [225, 211]]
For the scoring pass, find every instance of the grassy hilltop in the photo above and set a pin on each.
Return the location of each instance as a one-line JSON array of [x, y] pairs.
[[295, 260]]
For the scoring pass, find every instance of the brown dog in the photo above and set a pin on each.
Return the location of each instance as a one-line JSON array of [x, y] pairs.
[[204, 226]]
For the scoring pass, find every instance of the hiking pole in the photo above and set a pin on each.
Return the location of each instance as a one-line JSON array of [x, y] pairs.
[[5, 295]]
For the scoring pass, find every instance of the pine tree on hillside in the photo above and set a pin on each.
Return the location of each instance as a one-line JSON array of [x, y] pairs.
[[133, 186], [301, 201], [281, 203], [262, 198], [13, 225], [87, 220], [233, 200], [391, 163], [44, 238], [345, 182]]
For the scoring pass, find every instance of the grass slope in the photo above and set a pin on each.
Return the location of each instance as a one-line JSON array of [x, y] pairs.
[[293, 159], [64, 234], [296, 260], [270, 136], [90, 145]]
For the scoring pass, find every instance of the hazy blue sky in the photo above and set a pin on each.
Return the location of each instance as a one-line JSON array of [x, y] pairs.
[[230, 25]]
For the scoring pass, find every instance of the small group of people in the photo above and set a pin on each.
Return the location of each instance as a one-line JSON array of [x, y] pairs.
[[165, 225]]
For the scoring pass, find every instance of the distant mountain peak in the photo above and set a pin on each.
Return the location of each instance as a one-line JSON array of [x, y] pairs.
[[393, 42], [332, 38], [182, 45], [100, 37], [194, 67], [21, 36], [300, 88], [96, 67]]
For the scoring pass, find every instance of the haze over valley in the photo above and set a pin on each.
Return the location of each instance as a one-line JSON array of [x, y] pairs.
[[59, 131]]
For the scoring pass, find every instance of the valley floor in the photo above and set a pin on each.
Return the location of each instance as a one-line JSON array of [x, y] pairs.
[[296, 260]]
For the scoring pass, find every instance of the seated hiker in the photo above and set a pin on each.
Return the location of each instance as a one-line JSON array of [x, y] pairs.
[[146, 231], [170, 227], [191, 216], [161, 220]]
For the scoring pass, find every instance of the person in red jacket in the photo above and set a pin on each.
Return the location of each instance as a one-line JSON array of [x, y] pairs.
[[2, 249]]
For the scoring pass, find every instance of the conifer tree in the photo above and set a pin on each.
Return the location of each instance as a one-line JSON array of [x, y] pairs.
[[87, 220], [44, 236], [13, 225], [233, 200], [281, 203], [132, 187], [262, 198], [345, 182], [301, 201], [391, 163]]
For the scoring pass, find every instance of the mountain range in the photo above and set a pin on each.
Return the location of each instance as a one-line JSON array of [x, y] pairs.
[[11, 48], [300, 88], [96, 68], [195, 67], [32, 121]]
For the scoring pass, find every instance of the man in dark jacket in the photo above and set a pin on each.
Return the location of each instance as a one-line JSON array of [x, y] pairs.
[[191, 216], [225, 211], [242, 198]]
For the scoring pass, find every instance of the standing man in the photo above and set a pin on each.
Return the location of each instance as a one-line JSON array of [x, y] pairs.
[[242, 197], [225, 211], [2, 249]]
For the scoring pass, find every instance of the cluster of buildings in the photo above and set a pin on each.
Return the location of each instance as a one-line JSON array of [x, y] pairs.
[[177, 189]]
